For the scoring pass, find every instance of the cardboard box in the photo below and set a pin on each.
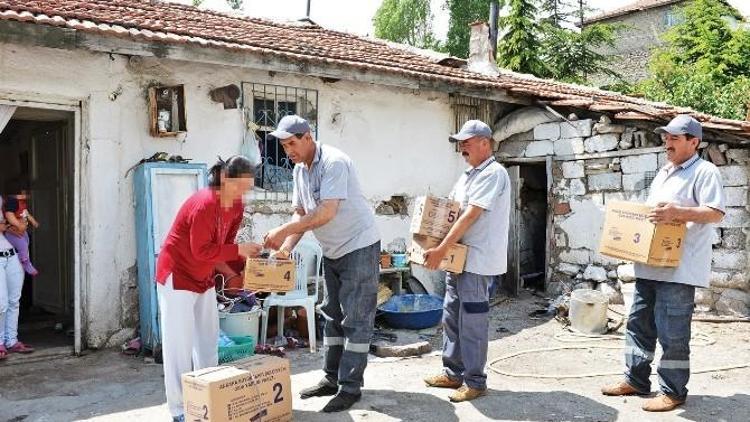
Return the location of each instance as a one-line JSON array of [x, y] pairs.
[[252, 389], [453, 261], [628, 234], [275, 275], [434, 216]]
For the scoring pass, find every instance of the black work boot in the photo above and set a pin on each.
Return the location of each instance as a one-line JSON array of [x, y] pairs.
[[324, 387], [341, 401]]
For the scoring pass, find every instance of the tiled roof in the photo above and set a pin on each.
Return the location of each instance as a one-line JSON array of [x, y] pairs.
[[635, 6], [153, 21]]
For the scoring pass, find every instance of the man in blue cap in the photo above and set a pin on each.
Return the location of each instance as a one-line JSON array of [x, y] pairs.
[[483, 191], [327, 200], [687, 190]]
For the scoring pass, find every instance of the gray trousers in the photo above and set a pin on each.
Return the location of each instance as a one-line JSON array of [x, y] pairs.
[[465, 325], [351, 294]]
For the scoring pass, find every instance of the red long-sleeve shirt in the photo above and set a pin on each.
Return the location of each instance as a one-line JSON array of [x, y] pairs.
[[201, 236]]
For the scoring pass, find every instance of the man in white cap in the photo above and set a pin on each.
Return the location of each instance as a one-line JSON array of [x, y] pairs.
[[689, 190], [483, 191], [327, 200]]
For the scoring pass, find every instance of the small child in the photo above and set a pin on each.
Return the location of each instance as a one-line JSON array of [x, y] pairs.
[[18, 216]]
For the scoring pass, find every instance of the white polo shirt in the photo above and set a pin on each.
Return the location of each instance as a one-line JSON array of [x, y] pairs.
[[694, 183], [486, 186]]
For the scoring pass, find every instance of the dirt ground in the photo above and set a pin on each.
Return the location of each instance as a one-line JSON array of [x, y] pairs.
[[107, 386]]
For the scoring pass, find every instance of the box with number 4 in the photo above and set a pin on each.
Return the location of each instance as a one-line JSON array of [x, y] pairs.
[[252, 389], [269, 275]]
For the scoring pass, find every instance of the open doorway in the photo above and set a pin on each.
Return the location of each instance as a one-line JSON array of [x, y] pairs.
[[532, 209], [528, 242], [36, 154]]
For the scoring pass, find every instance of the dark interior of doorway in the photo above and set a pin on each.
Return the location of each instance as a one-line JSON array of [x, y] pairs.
[[533, 225], [36, 153]]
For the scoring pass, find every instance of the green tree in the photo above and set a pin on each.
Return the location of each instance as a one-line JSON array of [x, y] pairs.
[[572, 56], [463, 13], [406, 21], [235, 4], [704, 63], [519, 46], [556, 12]]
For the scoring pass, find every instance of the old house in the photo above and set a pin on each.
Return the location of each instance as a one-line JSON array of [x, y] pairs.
[[644, 23], [79, 81]]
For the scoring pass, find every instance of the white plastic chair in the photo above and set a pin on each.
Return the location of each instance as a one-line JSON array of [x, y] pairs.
[[309, 262]]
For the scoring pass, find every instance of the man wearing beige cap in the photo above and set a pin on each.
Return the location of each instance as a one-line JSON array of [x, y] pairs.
[[689, 190]]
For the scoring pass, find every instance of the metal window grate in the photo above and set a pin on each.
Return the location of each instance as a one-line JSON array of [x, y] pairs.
[[264, 105], [648, 177]]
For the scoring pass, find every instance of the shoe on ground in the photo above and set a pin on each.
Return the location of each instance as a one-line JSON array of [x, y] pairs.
[[442, 381], [621, 388], [323, 388], [20, 348], [180, 418], [661, 403], [341, 401], [466, 393]]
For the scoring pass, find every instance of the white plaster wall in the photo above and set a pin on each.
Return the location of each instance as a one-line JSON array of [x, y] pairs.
[[396, 137]]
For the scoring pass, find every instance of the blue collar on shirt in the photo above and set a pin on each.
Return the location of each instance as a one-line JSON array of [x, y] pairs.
[[480, 167], [687, 164], [318, 153]]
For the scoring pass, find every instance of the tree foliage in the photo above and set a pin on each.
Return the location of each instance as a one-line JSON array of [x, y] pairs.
[[462, 14], [573, 56], [407, 22], [704, 63], [541, 41], [519, 46]]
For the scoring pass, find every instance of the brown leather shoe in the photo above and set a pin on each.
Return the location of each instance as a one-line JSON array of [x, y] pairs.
[[661, 403], [621, 388], [466, 393], [442, 381]]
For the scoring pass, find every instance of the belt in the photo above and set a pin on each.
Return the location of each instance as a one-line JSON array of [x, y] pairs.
[[7, 253]]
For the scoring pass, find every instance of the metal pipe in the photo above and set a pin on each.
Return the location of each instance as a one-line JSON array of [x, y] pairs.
[[308, 9], [494, 15]]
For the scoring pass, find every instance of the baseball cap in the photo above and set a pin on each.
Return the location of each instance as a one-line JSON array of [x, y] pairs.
[[471, 129], [290, 125], [682, 125]]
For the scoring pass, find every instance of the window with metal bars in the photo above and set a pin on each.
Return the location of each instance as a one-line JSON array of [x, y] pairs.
[[648, 177], [264, 105]]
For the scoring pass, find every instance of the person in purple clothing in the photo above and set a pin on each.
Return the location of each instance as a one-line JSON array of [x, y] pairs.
[[19, 218], [11, 286]]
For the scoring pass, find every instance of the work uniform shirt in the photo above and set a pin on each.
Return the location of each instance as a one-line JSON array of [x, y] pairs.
[[694, 183], [331, 176], [486, 186]]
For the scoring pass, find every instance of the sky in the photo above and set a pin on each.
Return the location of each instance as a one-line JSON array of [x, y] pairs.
[[355, 16]]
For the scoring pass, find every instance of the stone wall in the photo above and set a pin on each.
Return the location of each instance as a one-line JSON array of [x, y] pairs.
[[597, 163]]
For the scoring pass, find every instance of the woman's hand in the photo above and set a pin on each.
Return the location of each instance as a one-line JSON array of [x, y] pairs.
[[249, 249]]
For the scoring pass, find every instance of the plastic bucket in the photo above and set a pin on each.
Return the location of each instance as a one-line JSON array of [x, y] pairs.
[[240, 324], [400, 260], [588, 311]]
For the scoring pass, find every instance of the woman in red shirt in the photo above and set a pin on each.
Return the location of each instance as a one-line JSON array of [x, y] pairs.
[[200, 242]]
